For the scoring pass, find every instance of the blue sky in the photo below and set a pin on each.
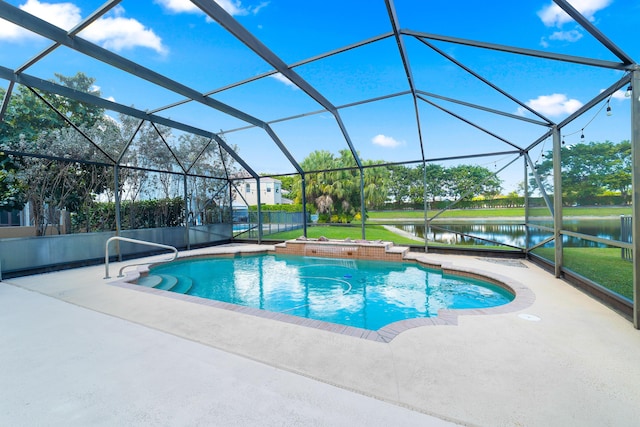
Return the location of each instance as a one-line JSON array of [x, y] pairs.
[[174, 38]]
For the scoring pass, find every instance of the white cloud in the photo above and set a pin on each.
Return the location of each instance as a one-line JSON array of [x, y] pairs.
[[553, 105], [385, 141], [279, 77], [179, 6], [233, 7], [115, 33], [118, 33], [63, 15], [620, 95], [569, 36], [553, 16], [256, 9], [9, 31]]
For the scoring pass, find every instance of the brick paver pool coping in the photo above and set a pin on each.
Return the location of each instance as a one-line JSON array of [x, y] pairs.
[[524, 297]]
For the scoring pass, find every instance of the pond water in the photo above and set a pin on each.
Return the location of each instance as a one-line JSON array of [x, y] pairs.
[[514, 233]]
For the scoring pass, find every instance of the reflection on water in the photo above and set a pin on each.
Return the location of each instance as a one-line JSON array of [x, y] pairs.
[[364, 294], [514, 234]]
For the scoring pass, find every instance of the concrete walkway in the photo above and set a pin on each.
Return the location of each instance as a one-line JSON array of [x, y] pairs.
[[63, 365], [564, 360]]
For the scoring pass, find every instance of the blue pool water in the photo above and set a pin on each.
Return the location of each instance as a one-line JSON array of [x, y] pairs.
[[363, 294]]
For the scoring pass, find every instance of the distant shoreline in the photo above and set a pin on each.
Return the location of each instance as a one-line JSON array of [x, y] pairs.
[[487, 219]]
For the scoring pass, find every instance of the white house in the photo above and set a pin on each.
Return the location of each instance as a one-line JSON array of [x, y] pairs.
[[270, 192]]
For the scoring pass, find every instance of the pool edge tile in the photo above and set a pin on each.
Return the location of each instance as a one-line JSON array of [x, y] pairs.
[[524, 297]]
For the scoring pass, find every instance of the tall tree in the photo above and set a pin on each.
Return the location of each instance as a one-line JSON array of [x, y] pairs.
[[336, 190], [376, 182], [472, 180], [205, 195], [619, 177], [589, 170], [399, 184], [31, 126], [317, 187], [407, 184], [53, 185], [12, 191], [27, 115], [435, 182]]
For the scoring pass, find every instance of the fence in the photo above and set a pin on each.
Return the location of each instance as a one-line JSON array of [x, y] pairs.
[[32, 254], [626, 236], [272, 222]]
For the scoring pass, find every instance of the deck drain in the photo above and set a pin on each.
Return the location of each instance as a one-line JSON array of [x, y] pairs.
[[529, 317]]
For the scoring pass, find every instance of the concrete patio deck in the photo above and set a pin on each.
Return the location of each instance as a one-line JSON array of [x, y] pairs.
[[79, 351]]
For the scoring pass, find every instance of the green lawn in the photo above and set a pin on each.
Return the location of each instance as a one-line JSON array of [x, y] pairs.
[[604, 266], [502, 212], [373, 232]]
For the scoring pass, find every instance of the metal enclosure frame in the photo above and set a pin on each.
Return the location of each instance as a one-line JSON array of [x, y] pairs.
[[71, 40]]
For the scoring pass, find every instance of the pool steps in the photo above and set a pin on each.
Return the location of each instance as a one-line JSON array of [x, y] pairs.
[[167, 282], [347, 249]]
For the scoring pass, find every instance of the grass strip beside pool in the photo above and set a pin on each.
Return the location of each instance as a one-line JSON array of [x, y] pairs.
[[604, 266], [373, 232]]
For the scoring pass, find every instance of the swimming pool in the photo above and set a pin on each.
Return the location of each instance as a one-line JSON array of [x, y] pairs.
[[358, 293]]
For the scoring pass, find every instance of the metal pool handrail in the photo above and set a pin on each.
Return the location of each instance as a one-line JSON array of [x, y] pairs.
[[141, 242]]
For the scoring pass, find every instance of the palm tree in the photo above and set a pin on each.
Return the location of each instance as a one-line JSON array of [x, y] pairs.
[[375, 184], [336, 190]]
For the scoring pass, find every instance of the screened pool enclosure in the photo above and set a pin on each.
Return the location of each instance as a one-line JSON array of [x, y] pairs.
[[217, 122]]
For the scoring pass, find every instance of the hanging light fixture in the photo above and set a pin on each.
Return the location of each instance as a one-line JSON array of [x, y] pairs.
[[609, 113], [582, 135], [628, 92]]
